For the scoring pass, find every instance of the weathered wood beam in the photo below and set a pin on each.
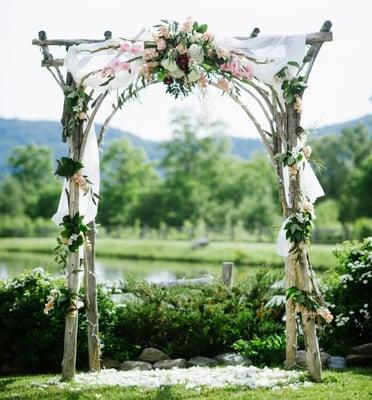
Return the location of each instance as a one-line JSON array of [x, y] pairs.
[[311, 38]]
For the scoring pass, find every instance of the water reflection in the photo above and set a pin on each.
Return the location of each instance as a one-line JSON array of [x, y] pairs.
[[110, 269]]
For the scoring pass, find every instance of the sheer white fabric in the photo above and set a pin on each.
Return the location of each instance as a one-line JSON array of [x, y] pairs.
[[311, 189], [87, 208], [274, 51], [84, 60]]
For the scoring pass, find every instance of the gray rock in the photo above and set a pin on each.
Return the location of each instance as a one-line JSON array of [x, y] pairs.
[[301, 358], [169, 364], [363, 349], [135, 365], [200, 361], [336, 362], [109, 363], [360, 360], [324, 358], [232, 359], [152, 355]]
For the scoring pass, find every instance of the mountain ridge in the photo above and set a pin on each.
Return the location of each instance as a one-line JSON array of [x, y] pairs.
[[19, 132]]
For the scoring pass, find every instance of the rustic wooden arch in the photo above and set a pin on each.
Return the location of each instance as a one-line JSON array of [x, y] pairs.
[[283, 135]]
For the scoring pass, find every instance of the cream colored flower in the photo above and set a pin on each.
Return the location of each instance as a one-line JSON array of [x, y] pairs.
[[150, 54], [161, 44], [164, 31], [224, 85], [223, 53], [324, 313], [207, 36], [298, 104], [203, 83], [307, 206], [187, 25], [307, 151], [181, 48], [193, 76], [196, 53], [83, 116]]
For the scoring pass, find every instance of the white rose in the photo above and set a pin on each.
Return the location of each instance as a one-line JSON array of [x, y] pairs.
[[193, 76], [169, 65], [197, 37], [196, 53]]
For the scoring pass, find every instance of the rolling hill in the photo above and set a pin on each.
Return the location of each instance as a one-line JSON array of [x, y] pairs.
[[16, 132]]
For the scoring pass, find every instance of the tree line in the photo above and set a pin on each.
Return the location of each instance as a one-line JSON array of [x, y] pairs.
[[197, 181]]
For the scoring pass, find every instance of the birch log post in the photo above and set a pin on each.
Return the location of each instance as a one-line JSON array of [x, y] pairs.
[[91, 304], [298, 267], [73, 271]]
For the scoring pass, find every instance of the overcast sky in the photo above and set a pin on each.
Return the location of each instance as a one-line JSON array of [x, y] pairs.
[[340, 86]]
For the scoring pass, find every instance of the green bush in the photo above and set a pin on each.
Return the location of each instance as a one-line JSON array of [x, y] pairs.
[[363, 228], [23, 226], [349, 294], [184, 322]]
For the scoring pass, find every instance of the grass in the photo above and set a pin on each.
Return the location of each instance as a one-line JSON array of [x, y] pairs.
[[349, 384], [251, 254]]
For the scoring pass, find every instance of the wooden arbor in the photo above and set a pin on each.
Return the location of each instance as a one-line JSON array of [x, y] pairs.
[[283, 136]]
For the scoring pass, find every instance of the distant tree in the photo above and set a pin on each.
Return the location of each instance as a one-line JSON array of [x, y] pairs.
[[32, 170], [340, 155], [127, 176], [356, 195]]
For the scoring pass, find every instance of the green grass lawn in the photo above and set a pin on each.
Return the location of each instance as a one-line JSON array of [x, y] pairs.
[[252, 254], [351, 384]]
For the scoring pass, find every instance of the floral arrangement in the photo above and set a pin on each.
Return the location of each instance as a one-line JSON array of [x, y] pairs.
[[71, 169], [309, 305], [72, 236], [182, 56]]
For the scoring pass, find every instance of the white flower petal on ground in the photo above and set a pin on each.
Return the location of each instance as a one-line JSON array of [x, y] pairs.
[[195, 377]]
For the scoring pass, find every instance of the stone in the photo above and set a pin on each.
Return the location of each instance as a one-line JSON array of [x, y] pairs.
[[109, 363], [169, 364], [301, 358], [336, 362], [324, 357], [360, 360], [150, 354], [135, 366], [200, 361], [363, 349], [233, 359]]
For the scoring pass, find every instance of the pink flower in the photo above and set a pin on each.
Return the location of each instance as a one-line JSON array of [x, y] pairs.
[[161, 44], [137, 47], [150, 54], [187, 25], [125, 47], [124, 66], [238, 69], [107, 71]]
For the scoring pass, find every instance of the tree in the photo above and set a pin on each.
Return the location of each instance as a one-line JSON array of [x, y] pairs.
[[32, 182], [355, 199], [340, 155], [127, 176]]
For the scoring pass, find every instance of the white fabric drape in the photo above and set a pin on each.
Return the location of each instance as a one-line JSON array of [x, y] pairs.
[[274, 51], [90, 160], [311, 190], [87, 58]]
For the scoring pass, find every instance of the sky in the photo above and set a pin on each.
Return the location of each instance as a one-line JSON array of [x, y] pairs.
[[340, 84]]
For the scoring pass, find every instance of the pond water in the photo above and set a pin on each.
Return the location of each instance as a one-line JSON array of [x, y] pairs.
[[112, 269]]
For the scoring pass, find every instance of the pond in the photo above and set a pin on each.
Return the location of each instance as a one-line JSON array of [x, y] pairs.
[[112, 269]]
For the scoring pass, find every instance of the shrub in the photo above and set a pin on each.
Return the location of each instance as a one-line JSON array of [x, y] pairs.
[[349, 294], [31, 341], [363, 227], [182, 321]]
